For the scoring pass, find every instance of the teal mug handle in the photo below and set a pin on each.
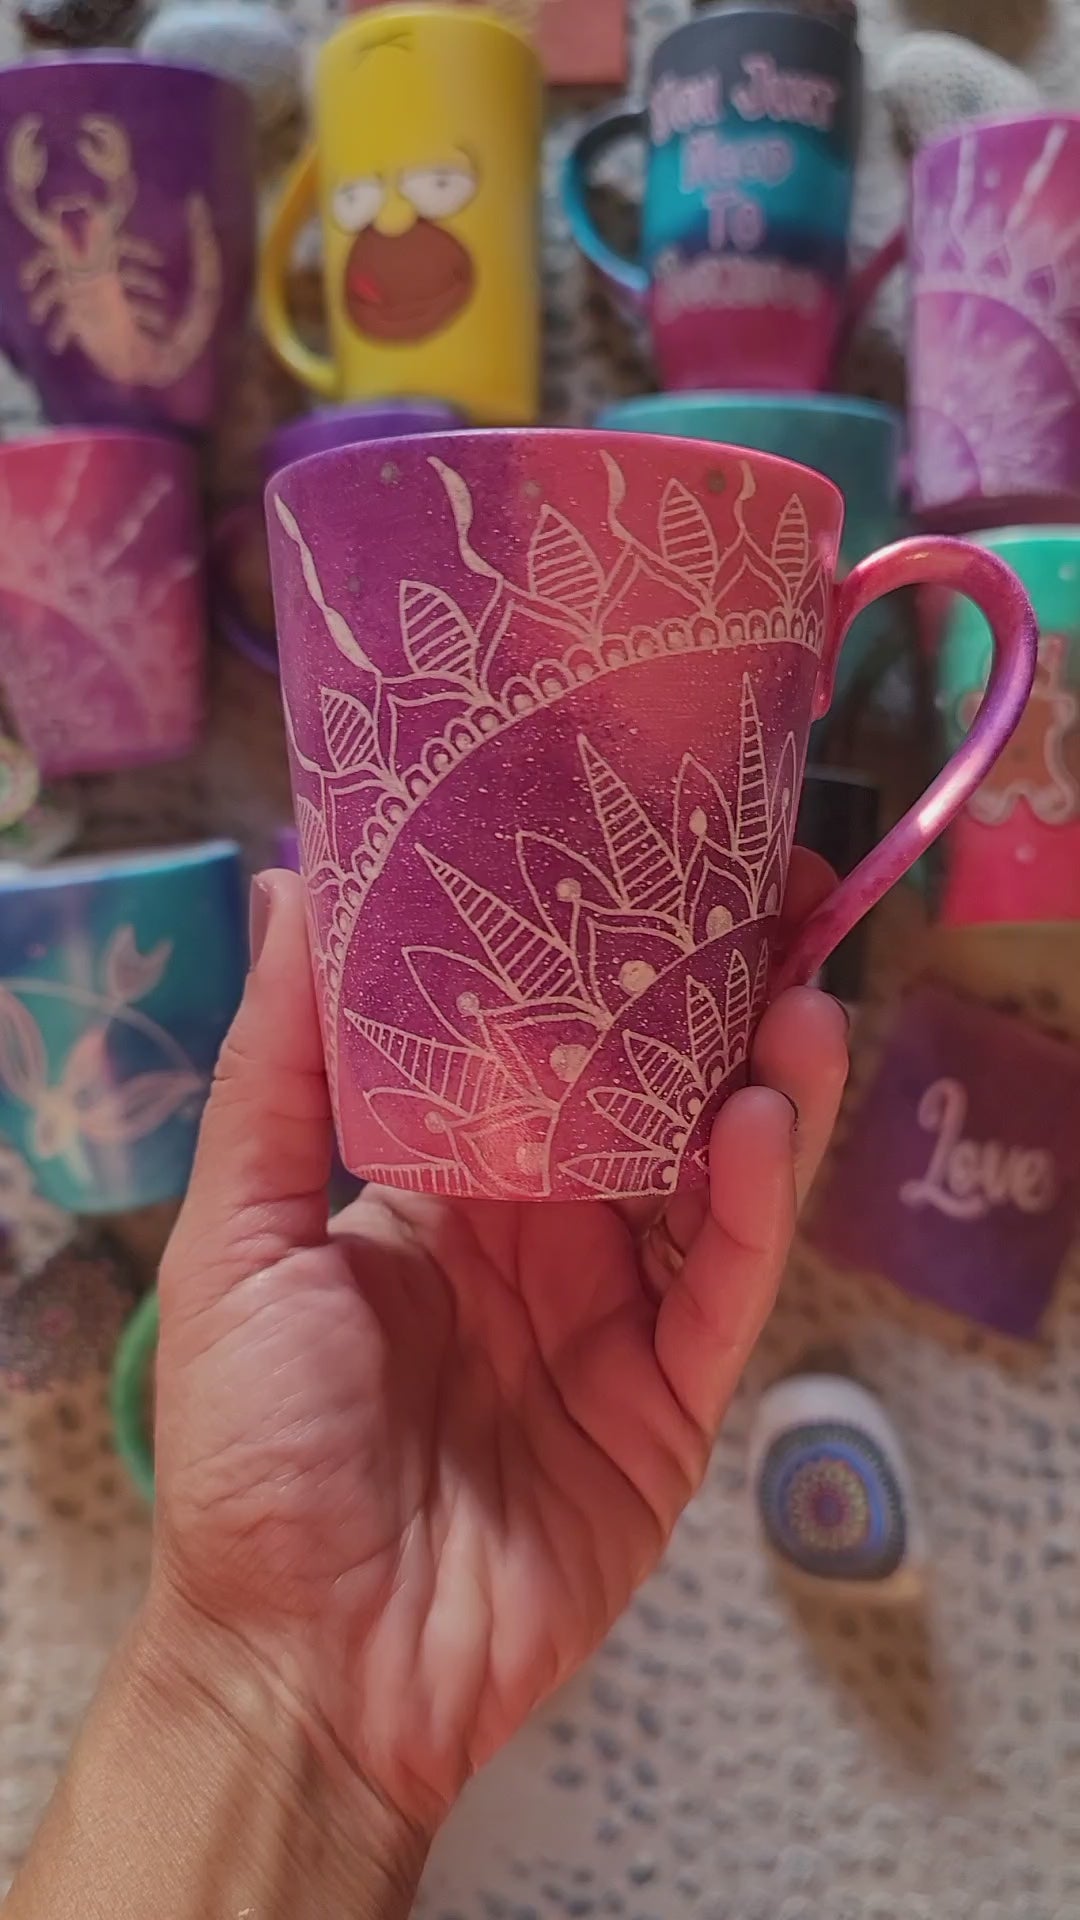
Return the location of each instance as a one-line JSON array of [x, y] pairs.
[[603, 131]]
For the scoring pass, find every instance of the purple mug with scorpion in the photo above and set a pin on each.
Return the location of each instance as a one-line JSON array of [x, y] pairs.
[[548, 695], [102, 598], [127, 232]]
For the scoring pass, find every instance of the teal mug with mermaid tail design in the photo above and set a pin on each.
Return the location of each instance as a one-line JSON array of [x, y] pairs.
[[119, 976]]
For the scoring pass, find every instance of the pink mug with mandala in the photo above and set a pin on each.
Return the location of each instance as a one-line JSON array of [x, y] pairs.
[[994, 346], [548, 696], [102, 603]]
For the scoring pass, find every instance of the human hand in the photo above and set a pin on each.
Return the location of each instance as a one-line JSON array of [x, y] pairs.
[[412, 1464]]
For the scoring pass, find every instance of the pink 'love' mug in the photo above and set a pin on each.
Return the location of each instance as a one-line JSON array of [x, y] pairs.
[[102, 600], [548, 696]]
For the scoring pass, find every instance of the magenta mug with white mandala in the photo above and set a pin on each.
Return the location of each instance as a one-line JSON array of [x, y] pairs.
[[548, 696], [993, 245], [102, 598]]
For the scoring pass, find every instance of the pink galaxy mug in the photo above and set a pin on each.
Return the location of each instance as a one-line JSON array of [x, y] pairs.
[[994, 346], [548, 696], [102, 618]]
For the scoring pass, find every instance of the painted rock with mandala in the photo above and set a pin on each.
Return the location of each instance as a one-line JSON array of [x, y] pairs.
[[548, 703], [118, 980]]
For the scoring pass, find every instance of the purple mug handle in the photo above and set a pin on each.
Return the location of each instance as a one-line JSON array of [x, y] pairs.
[[996, 591], [232, 531]]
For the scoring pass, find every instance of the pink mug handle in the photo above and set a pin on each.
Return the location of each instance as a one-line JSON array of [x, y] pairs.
[[996, 591], [866, 284]]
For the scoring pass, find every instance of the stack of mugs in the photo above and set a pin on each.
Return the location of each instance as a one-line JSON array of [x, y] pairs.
[[549, 693], [127, 227], [750, 120]]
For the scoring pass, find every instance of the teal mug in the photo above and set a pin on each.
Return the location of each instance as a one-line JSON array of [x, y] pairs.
[[855, 443], [1012, 857]]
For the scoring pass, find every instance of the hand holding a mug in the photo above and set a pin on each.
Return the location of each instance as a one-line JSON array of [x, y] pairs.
[[410, 1467]]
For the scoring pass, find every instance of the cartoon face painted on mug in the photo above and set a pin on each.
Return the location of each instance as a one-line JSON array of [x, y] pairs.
[[410, 269], [408, 274]]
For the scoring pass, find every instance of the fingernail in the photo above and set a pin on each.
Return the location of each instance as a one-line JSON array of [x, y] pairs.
[[259, 907], [844, 1010]]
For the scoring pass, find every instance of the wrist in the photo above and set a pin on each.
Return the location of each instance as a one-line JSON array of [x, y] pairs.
[[304, 1833]]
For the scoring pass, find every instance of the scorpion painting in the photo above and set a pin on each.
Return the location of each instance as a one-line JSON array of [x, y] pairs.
[[95, 283], [128, 245]]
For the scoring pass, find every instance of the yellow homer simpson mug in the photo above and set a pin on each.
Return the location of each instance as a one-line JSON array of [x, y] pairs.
[[425, 170]]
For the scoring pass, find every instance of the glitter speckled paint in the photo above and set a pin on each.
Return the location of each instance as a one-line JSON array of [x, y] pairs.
[[102, 615], [548, 696]]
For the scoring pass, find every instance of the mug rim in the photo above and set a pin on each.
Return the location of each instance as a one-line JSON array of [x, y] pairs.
[[577, 438], [149, 862], [1068, 532], [720, 11], [850, 406], [101, 436], [125, 60], [991, 123], [442, 11]]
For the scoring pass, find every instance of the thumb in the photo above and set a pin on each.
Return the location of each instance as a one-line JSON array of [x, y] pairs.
[[262, 1167]]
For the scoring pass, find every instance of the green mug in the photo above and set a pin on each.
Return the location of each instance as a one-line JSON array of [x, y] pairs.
[[855, 443], [1012, 856]]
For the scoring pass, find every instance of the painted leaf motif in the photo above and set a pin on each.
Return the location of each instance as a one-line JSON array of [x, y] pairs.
[[643, 1121], [86, 1070], [701, 810], [761, 979], [438, 638], [687, 540], [529, 962], [624, 955], [619, 1172], [544, 1049], [441, 1176], [23, 1067], [662, 1073], [314, 839], [459, 1077], [642, 865], [349, 728], [791, 542], [140, 1105], [414, 1120], [783, 793], [752, 807], [508, 1150], [737, 1011], [562, 566], [561, 881], [128, 974], [456, 990], [54, 1131], [707, 1039]]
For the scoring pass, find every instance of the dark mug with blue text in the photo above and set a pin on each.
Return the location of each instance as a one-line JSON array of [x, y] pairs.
[[751, 120]]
